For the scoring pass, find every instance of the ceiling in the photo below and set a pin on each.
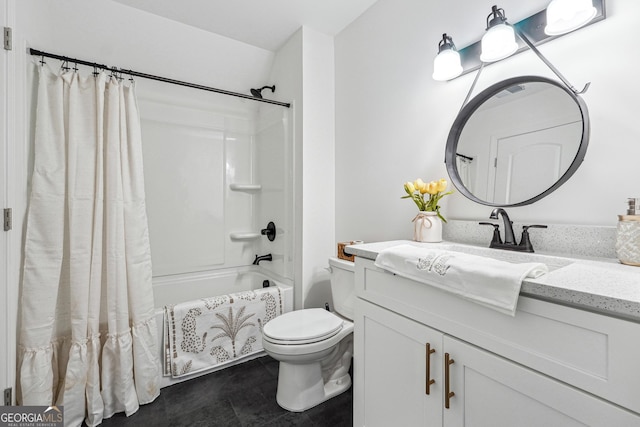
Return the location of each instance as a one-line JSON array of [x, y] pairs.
[[261, 23]]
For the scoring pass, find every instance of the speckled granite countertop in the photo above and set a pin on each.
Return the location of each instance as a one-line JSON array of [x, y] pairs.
[[596, 284]]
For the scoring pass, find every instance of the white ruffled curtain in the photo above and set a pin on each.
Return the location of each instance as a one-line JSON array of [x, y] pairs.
[[88, 330]]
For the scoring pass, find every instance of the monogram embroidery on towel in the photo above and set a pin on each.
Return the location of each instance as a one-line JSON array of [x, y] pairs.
[[435, 263], [425, 263]]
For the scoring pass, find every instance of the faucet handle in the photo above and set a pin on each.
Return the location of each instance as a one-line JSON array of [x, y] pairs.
[[270, 231], [525, 243], [496, 233], [526, 227]]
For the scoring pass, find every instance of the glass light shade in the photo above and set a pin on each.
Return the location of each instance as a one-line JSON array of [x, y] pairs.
[[564, 16], [498, 43], [446, 65]]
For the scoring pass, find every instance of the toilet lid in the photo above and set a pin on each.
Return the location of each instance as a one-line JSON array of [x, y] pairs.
[[303, 326]]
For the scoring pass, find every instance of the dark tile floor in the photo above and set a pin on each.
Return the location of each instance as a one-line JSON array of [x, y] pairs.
[[243, 395]]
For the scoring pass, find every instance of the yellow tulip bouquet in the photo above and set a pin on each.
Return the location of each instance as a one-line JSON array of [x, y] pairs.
[[418, 190]]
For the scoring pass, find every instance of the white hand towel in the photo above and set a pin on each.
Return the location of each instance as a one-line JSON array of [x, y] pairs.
[[492, 283]]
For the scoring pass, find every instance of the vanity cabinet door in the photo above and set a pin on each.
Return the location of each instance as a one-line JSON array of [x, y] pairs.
[[493, 391], [391, 359]]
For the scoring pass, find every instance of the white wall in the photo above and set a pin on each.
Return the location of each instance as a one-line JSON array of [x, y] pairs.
[[303, 71], [318, 160], [393, 119], [115, 34]]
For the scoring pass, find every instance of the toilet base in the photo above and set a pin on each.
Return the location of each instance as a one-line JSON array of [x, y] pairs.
[[295, 399], [303, 386]]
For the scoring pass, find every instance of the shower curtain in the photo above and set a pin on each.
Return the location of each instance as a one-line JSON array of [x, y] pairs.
[[88, 330], [464, 171]]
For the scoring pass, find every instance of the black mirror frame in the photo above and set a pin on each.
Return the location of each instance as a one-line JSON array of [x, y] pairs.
[[476, 102]]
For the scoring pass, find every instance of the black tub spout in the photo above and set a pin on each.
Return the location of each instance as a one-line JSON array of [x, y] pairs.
[[266, 257]]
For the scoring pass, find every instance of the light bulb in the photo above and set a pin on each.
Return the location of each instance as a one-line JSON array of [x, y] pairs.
[[498, 43], [446, 65], [564, 16]]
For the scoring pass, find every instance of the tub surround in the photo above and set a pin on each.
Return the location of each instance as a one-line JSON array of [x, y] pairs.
[[596, 284]]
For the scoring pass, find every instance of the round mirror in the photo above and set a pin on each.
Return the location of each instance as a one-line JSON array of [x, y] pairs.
[[517, 141]]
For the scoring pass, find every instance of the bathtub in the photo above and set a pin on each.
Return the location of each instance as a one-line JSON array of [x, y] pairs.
[[186, 287]]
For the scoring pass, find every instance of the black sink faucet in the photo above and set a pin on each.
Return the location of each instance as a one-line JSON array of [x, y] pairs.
[[266, 257], [509, 239]]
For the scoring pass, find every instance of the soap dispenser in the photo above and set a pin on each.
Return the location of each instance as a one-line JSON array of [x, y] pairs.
[[628, 234]]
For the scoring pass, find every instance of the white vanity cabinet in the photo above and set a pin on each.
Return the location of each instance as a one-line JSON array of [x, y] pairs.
[[393, 369], [549, 365]]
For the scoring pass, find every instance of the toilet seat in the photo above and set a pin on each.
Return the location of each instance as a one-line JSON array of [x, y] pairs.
[[302, 327]]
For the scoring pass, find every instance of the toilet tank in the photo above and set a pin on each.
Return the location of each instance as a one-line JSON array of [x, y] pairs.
[[343, 288]]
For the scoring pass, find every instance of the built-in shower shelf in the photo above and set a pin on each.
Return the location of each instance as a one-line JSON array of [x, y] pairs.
[[248, 235], [245, 187]]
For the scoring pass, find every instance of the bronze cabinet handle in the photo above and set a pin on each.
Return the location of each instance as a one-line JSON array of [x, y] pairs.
[[448, 361], [429, 380]]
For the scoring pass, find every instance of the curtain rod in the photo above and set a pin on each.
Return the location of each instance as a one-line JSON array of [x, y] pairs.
[[132, 73]]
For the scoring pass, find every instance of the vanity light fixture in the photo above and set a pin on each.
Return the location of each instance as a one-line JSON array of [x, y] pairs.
[[446, 65], [564, 16], [499, 41]]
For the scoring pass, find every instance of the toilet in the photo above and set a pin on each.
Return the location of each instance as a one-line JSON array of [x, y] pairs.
[[314, 346]]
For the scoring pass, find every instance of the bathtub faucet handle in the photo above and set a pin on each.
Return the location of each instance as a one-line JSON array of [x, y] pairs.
[[270, 231]]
